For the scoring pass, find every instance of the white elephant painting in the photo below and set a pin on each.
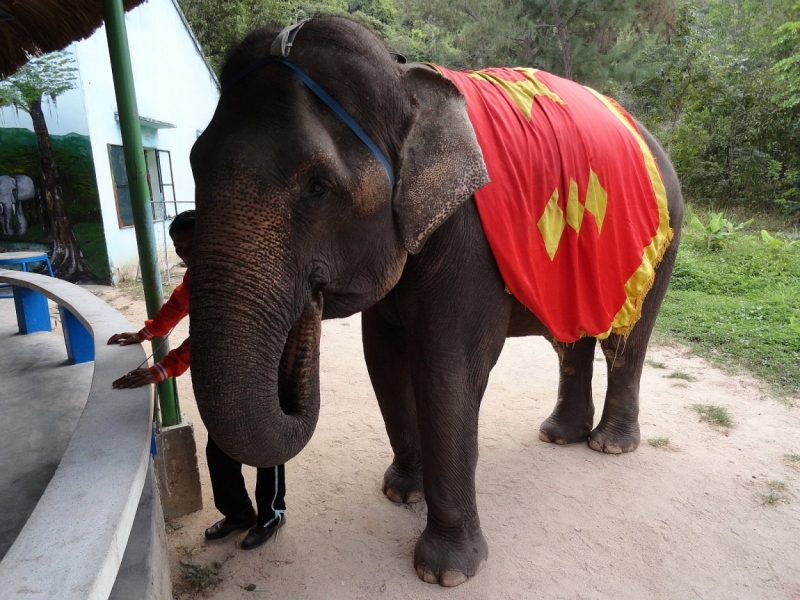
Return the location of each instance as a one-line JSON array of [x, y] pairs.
[[14, 190]]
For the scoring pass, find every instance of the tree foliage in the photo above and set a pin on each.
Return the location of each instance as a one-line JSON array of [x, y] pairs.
[[722, 107], [717, 81], [50, 75], [786, 49]]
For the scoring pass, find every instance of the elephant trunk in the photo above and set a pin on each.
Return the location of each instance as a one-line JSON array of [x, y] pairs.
[[255, 370], [22, 223]]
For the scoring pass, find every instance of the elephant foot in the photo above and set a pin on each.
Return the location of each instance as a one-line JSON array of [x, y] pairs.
[[556, 430], [449, 563], [400, 488], [615, 439]]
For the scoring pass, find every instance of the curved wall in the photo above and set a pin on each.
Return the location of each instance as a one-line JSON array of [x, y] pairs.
[[73, 543]]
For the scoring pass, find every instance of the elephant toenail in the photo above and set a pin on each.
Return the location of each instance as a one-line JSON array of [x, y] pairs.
[[394, 496], [426, 575], [413, 497], [452, 578]]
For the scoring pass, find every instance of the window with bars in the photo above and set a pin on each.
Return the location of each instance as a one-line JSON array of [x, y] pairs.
[[161, 185]]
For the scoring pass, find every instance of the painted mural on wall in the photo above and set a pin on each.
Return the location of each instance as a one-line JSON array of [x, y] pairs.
[[48, 188], [26, 222]]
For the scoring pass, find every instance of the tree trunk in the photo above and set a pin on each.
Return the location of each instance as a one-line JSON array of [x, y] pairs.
[[566, 55], [67, 259], [530, 51]]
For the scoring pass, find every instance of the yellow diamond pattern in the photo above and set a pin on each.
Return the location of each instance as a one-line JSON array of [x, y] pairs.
[[523, 93], [596, 200], [552, 224], [575, 209]]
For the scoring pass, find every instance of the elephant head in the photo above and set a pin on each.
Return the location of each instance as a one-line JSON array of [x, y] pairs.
[[314, 227], [8, 188]]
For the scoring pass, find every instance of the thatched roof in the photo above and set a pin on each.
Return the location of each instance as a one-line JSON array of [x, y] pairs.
[[39, 26]]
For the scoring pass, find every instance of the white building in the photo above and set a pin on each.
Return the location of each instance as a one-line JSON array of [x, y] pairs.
[[176, 92]]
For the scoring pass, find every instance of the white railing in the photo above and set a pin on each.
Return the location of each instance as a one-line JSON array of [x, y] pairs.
[[72, 545]]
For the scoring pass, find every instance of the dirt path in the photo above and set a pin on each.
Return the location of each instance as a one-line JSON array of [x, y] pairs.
[[685, 521]]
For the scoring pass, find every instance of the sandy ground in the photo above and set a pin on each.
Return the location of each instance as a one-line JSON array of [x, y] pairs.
[[686, 521]]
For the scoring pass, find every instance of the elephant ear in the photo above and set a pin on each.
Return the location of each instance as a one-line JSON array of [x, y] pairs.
[[442, 163], [26, 189]]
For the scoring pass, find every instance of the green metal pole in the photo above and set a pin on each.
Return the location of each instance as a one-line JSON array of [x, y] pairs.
[[140, 197]]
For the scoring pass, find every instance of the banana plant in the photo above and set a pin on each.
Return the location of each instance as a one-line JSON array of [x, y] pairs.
[[718, 230], [776, 242]]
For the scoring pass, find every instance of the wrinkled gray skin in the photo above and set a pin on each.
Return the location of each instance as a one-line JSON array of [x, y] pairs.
[[13, 192], [315, 230]]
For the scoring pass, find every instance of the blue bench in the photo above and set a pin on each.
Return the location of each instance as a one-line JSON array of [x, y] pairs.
[[33, 314], [23, 259]]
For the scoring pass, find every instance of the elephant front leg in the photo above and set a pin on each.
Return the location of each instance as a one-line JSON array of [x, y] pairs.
[[573, 415], [452, 548], [450, 373], [387, 363]]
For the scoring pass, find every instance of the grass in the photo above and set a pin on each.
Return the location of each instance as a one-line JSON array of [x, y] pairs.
[[792, 459], [659, 442], [656, 364], [716, 415], [172, 526], [734, 306], [197, 577], [775, 494], [681, 375], [133, 289]]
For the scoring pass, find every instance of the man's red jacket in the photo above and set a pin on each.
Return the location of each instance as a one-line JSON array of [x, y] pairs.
[[176, 308]]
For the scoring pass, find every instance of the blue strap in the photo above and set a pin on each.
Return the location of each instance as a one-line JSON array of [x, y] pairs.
[[326, 98]]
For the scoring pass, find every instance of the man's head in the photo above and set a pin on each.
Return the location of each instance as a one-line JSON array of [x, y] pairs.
[[182, 232]]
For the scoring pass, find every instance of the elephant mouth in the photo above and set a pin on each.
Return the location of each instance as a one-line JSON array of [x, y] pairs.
[[298, 372]]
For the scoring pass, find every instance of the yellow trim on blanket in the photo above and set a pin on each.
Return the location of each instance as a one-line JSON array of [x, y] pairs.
[[642, 279]]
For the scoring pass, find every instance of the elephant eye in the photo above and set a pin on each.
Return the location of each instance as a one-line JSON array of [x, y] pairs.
[[317, 188]]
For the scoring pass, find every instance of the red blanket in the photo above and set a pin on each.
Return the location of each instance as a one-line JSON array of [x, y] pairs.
[[576, 211]]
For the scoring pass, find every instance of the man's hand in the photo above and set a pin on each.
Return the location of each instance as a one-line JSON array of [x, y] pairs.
[[123, 339], [135, 379]]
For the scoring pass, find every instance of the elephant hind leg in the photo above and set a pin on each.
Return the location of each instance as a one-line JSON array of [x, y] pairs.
[[387, 363], [618, 430], [573, 415]]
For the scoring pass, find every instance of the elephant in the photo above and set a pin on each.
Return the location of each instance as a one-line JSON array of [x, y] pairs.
[[14, 190], [320, 228]]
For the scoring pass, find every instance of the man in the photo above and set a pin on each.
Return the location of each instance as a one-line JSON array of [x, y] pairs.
[[227, 483]]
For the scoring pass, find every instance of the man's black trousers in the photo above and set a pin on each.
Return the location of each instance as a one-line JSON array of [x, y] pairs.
[[230, 494]]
